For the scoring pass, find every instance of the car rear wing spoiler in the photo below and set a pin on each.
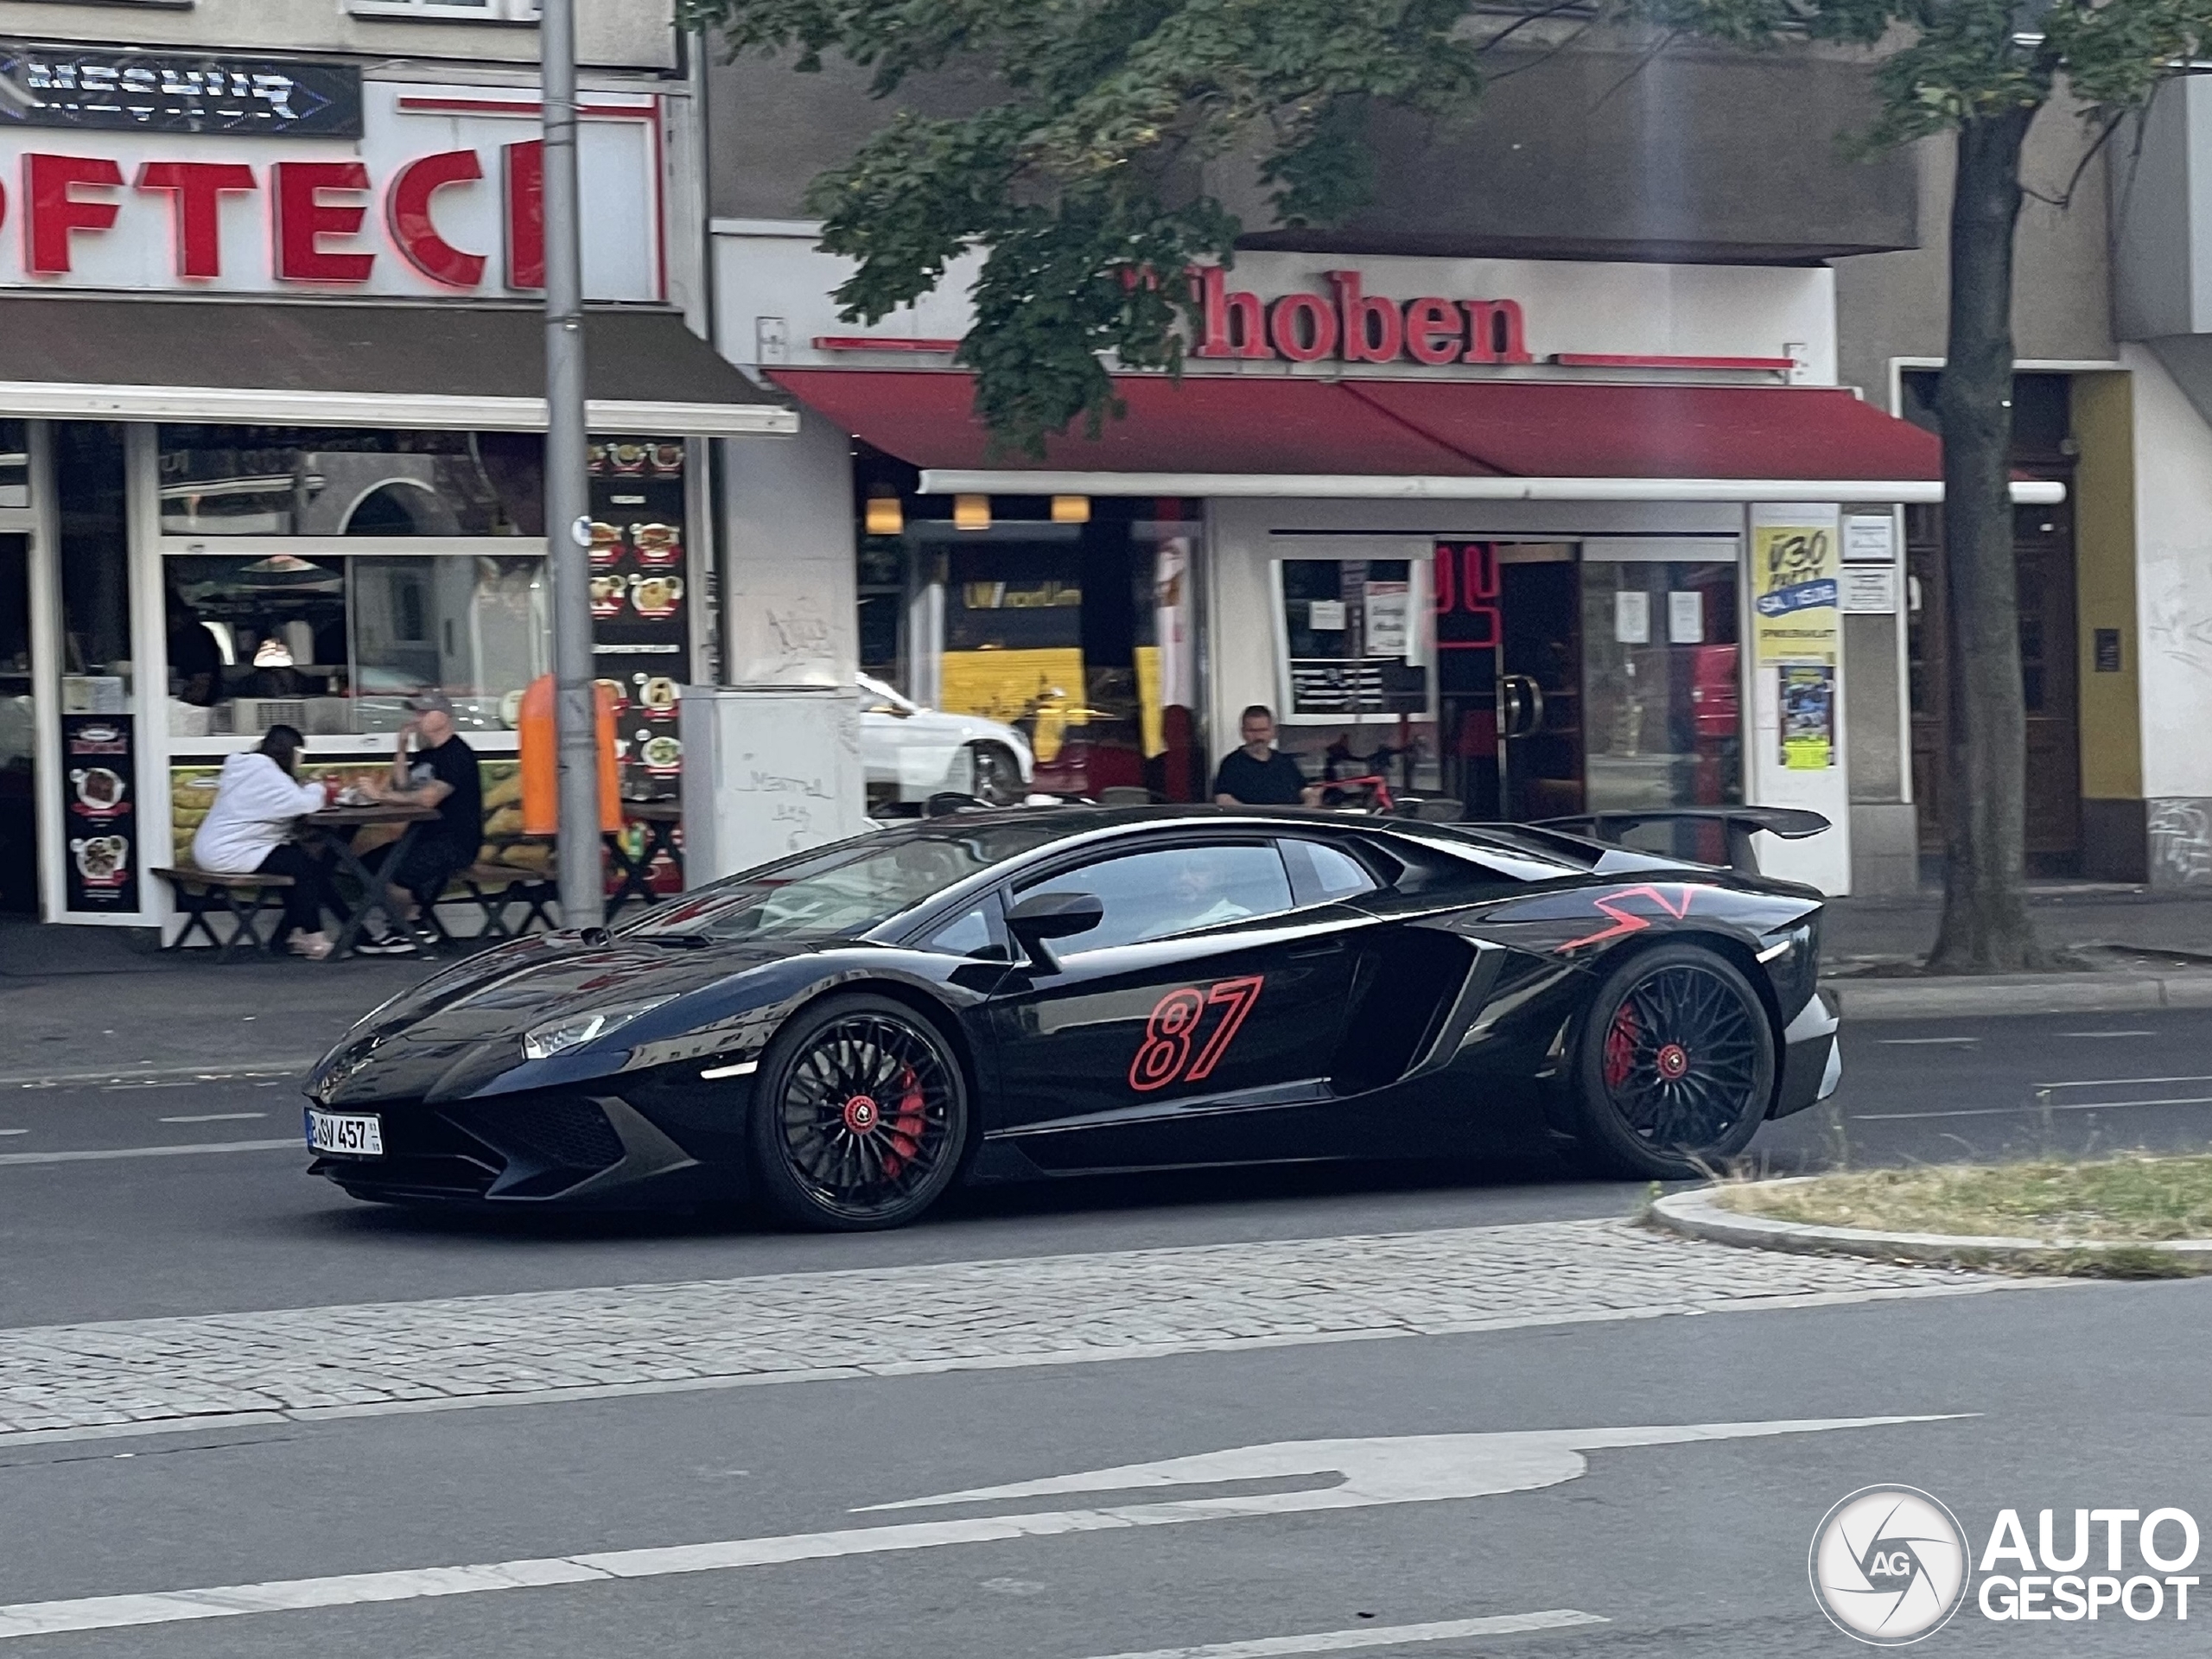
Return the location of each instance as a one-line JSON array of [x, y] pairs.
[[1737, 824]]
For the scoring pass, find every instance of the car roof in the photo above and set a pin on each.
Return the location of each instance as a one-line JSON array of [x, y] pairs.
[[1075, 820]]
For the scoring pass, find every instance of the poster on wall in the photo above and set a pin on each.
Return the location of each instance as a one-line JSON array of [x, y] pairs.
[[1808, 704], [100, 871], [1797, 625]]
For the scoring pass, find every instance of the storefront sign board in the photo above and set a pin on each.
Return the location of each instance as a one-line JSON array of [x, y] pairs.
[[100, 815], [92, 90], [439, 197]]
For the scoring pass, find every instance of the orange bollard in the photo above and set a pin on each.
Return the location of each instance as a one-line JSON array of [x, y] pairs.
[[541, 763]]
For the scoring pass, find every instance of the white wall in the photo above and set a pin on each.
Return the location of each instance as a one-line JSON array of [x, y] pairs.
[[610, 33], [2173, 581]]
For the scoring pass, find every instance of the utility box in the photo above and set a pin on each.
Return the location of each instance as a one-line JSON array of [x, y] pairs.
[[768, 769]]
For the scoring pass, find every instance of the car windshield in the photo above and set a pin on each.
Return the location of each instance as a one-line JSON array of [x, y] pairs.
[[842, 891]]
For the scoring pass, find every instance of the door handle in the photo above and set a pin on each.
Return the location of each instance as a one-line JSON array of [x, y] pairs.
[[1524, 705]]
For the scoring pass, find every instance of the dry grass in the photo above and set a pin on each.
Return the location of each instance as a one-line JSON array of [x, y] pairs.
[[2134, 1199]]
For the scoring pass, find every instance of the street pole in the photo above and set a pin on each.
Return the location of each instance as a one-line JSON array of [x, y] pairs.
[[568, 496]]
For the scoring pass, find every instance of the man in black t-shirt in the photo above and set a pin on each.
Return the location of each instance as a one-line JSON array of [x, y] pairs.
[[442, 772], [1259, 774]]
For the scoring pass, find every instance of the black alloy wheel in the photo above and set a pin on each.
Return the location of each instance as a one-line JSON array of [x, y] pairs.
[[1676, 1066], [997, 775], [860, 1121]]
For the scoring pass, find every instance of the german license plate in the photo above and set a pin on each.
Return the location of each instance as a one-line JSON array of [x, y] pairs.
[[348, 1134]]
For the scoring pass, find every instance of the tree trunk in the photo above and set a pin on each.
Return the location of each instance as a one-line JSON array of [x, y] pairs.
[[1986, 927]]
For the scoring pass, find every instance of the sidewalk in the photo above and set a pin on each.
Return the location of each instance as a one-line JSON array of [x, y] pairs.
[[2143, 949], [79, 1001]]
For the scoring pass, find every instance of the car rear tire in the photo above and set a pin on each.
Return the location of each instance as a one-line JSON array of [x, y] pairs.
[[1674, 1065], [860, 1117], [996, 773]]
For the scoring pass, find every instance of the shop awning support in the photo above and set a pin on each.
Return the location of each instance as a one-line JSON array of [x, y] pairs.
[[952, 481]]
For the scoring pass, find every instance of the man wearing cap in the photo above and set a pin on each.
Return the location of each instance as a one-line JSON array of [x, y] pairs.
[[442, 772]]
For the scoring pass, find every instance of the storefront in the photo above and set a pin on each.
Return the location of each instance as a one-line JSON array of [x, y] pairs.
[[1542, 538], [273, 454]]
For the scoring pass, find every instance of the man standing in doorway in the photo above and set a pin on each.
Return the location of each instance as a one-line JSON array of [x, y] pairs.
[[1259, 774]]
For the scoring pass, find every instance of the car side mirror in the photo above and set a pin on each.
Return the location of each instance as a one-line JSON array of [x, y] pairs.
[[1046, 916]]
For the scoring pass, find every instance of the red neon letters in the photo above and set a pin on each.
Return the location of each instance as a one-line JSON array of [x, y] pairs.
[[303, 219], [197, 189], [1165, 1055], [52, 213], [1359, 328], [525, 182], [407, 210]]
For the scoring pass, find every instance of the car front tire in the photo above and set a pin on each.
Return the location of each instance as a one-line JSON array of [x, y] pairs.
[[860, 1117], [1675, 1066]]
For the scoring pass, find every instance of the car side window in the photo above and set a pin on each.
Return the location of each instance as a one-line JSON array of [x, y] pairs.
[[1322, 873], [1151, 895], [978, 932]]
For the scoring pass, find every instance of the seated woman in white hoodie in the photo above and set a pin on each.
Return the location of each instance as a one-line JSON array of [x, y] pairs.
[[248, 832]]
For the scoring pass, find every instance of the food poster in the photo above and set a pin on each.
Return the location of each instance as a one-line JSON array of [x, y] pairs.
[[192, 791], [100, 871], [641, 629], [1808, 704], [1797, 623]]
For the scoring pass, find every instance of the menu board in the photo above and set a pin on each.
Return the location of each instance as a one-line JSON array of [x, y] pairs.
[[640, 628], [1346, 631], [100, 875]]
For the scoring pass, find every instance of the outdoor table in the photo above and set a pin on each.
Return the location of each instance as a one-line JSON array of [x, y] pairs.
[[660, 819], [338, 825]]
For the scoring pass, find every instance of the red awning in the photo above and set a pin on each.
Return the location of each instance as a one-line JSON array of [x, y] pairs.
[[1254, 435]]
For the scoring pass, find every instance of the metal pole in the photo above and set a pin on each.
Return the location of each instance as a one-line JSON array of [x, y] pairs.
[[568, 493]]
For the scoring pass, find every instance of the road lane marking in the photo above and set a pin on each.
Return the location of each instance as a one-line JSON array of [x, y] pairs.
[[101, 1154], [215, 1118], [2054, 1106], [1922, 1042], [1375, 1636], [2118, 1082], [120, 1074], [1372, 1472], [15, 1131], [2107, 1033]]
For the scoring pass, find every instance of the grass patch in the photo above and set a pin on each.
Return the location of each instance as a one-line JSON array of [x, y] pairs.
[[2122, 1201]]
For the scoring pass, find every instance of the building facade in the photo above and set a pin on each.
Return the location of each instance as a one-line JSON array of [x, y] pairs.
[[272, 418]]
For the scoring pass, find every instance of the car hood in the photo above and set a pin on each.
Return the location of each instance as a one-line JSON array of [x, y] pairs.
[[463, 1028]]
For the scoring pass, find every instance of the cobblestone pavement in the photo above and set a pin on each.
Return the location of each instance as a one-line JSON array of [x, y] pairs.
[[65, 1382]]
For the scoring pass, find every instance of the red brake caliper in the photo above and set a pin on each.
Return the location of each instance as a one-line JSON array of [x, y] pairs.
[[905, 1127], [1620, 1047]]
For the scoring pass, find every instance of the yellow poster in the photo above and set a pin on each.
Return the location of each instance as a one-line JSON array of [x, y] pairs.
[[1794, 572]]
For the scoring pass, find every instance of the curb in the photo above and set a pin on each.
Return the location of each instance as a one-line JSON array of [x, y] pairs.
[[2017, 994], [1695, 1215]]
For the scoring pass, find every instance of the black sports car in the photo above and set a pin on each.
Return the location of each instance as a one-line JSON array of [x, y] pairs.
[[849, 1031]]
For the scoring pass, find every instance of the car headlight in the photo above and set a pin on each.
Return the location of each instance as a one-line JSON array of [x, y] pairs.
[[559, 1036]]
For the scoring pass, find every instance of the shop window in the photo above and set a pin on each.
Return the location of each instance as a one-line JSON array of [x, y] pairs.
[[266, 480], [95, 568], [14, 464], [337, 645]]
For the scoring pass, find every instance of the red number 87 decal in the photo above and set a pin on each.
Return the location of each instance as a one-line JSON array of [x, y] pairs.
[[1164, 1057]]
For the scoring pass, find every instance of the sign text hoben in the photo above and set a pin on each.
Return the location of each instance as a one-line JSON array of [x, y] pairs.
[[1353, 326]]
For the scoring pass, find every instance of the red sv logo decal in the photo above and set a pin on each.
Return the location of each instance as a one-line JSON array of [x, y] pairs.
[[1165, 1055]]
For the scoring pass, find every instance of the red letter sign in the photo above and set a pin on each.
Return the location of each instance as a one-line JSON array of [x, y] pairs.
[[1320, 327], [1433, 332], [1235, 326], [197, 190], [525, 167], [1363, 343], [407, 210], [51, 213], [1496, 332], [303, 219]]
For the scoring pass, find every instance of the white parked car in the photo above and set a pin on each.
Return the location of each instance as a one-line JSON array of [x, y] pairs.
[[912, 753]]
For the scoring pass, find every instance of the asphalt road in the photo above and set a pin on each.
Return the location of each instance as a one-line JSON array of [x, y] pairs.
[[2078, 1396]]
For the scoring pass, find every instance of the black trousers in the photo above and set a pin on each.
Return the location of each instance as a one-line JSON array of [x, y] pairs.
[[311, 892], [425, 870]]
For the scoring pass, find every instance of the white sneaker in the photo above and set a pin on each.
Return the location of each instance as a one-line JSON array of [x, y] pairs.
[[313, 946]]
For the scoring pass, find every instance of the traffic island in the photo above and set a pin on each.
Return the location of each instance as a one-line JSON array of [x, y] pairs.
[[2124, 1218]]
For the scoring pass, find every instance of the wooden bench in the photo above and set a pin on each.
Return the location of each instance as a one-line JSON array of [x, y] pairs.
[[491, 888], [199, 892]]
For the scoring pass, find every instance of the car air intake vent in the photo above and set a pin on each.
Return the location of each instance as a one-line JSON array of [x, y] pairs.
[[566, 1130]]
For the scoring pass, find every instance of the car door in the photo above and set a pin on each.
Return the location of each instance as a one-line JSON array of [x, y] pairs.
[[1206, 992]]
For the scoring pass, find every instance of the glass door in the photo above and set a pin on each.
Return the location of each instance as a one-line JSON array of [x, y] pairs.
[[18, 734]]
